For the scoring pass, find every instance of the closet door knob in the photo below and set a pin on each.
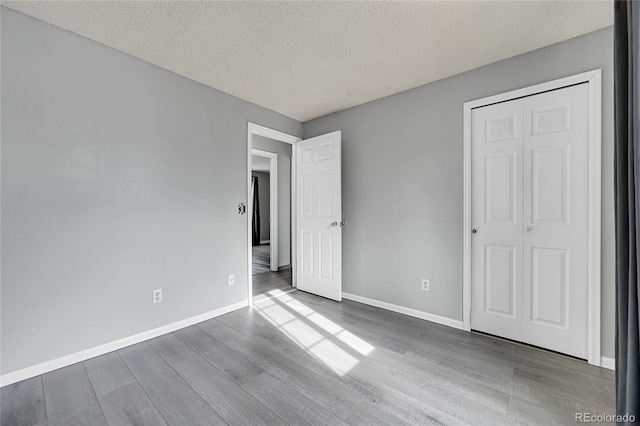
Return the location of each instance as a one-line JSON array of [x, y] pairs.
[[474, 230]]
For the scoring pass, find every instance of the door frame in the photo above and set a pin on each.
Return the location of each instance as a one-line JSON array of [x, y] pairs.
[[594, 80], [273, 203], [256, 129]]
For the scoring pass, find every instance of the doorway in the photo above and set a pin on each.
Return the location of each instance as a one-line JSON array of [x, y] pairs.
[[263, 200], [532, 215], [271, 182]]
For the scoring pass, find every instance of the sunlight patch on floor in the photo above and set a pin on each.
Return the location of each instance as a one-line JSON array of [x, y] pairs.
[[264, 296], [313, 332]]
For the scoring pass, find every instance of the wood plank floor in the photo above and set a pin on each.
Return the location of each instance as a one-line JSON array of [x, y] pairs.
[[261, 259], [298, 359], [268, 283]]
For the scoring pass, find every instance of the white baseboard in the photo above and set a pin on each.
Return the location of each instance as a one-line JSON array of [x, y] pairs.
[[45, 367], [284, 267], [609, 363], [265, 241], [403, 310]]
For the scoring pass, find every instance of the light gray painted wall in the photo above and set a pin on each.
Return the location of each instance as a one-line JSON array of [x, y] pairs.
[[402, 179], [284, 193], [264, 194], [118, 178]]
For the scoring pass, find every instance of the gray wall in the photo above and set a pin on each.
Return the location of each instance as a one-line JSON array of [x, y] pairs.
[[284, 193], [264, 198], [402, 179], [118, 178]]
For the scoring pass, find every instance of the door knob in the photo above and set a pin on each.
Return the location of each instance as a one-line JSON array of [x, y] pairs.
[[336, 224], [474, 230], [527, 228]]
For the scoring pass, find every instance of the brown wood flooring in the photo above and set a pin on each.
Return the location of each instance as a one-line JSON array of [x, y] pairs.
[[297, 359]]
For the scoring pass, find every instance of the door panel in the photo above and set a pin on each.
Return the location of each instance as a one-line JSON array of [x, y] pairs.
[[500, 280], [500, 188], [306, 194], [319, 206], [326, 255], [549, 278], [307, 253], [549, 185], [555, 219], [501, 128], [326, 192], [529, 203], [496, 253]]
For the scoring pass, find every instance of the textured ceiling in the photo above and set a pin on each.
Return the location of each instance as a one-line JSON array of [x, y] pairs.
[[307, 59]]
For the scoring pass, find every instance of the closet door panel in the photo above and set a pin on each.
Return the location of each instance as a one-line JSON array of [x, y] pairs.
[[555, 220], [497, 167]]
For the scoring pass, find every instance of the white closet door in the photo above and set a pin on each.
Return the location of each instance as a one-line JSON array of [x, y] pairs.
[[496, 251], [555, 241], [529, 210]]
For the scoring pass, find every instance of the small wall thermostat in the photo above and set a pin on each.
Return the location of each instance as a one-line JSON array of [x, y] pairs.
[[242, 208]]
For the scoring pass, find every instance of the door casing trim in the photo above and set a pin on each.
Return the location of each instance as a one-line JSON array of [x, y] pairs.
[[594, 80]]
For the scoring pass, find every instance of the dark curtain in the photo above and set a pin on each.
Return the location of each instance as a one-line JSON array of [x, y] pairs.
[[255, 222], [627, 204]]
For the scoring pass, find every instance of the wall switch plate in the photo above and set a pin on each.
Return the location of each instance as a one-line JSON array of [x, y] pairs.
[[157, 295], [231, 279], [425, 285]]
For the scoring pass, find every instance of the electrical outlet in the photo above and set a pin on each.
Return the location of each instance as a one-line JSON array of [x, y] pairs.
[[157, 295], [425, 285], [231, 279]]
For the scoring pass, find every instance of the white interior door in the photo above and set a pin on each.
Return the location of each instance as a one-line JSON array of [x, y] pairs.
[[319, 216], [496, 248], [555, 238], [529, 210]]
